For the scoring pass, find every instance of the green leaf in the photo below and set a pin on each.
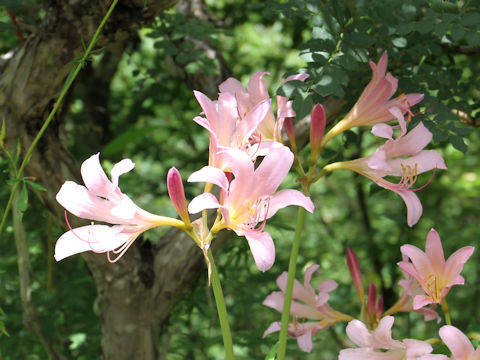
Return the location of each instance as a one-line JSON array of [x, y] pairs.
[[470, 19], [3, 133], [13, 5], [458, 143], [399, 42], [272, 354], [443, 6], [34, 185], [458, 32], [302, 106], [425, 26], [473, 38], [291, 88], [22, 201]]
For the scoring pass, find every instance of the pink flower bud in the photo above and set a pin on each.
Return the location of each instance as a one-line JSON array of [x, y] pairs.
[[177, 194], [372, 300], [317, 129], [355, 273], [289, 129], [380, 307]]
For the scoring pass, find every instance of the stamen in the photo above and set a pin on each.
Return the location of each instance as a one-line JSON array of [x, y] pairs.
[[125, 248]]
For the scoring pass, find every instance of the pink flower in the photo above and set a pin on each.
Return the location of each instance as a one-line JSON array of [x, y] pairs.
[[433, 273], [378, 344], [374, 104], [268, 129], [313, 307], [250, 198], [226, 128], [404, 157], [102, 200], [458, 343]]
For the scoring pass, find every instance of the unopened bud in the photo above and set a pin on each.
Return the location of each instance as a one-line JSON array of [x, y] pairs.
[[355, 273], [289, 129], [177, 194], [372, 301], [379, 307], [317, 129]]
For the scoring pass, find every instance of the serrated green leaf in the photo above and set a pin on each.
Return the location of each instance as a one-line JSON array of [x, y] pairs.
[[22, 201], [302, 106], [272, 353], [34, 185]]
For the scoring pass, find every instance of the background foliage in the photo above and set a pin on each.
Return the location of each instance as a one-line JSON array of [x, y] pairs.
[[433, 48]]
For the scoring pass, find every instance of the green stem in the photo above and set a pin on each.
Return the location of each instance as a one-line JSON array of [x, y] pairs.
[[66, 87], [288, 293], [446, 312], [222, 310]]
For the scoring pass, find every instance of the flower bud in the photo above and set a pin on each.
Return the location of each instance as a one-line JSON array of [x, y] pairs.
[[355, 273], [177, 194], [317, 129], [372, 301], [380, 307], [289, 129]]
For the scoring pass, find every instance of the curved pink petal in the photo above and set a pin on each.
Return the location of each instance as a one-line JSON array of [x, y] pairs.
[[457, 342], [299, 292], [225, 127], [327, 286], [305, 341], [382, 130], [232, 86], [252, 120], [95, 178], [287, 197], [378, 161], [420, 301], [125, 209], [434, 251], [424, 161], [271, 172], [308, 277], [257, 87], [275, 300], [416, 348], [358, 333], [210, 174], [262, 248], [456, 261], [274, 327], [202, 202], [418, 258], [80, 202], [120, 168], [209, 108], [414, 206], [97, 238], [413, 142]]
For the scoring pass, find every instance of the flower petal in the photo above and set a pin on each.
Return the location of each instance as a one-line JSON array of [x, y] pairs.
[[262, 248], [210, 174], [120, 168], [274, 327], [97, 238], [382, 130], [95, 178], [305, 341], [413, 142], [457, 342], [287, 197], [202, 202]]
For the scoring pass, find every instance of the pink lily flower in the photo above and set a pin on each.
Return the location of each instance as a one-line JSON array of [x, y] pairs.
[[312, 306], [227, 129], [379, 345], [250, 198], [412, 288], [268, 129], [404, 157], [374, 104], [433, 273], [458, 343], [102, 200]]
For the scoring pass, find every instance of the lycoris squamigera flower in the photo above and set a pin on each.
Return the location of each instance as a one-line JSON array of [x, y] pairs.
[[102, 200], [250, 198], [374, 104], [378, 344], [404, 157], [310, 310], [435, 275], [458, 343]]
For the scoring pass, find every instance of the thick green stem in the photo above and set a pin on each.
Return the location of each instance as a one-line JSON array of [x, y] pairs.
[[291, 277], [68, 83], [221, 308]]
